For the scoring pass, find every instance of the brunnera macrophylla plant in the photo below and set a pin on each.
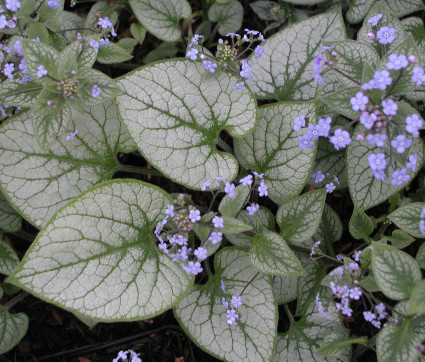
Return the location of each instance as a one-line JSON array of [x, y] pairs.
[[340, 114]]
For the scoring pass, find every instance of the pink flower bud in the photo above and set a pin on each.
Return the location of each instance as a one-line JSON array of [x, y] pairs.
[[412, 58], [360, 137], [371, 36]]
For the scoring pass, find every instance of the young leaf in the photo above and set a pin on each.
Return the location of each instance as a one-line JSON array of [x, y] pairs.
[[228, 16], [367, 191], [127, 44], [138, 31], [261, 222], [407, 218], [417, 297], [97, 256], [420, 256], [79, 51], [49, 179], [203, 316], [231, 206], [8, 258], [13, 328], [285, 70], [302, 341], [400, 239], [112, 53], [161, 17], [300, 217], [270, 254], [273, 149], [396, 272], [360, 225], [175, 110], [334, 346], [10, 220]]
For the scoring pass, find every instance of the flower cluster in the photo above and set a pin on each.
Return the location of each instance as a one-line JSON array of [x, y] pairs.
[[385, 35], [375, 317], [105, 23], [422, 222], [330, 181], [12, 6], [231, 306], [123, 356], [228, 54]]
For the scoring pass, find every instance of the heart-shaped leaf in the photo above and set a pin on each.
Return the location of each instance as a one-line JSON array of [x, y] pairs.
[[39, 182], [10, 220], [407, 218], [273, 149], [97, 256], [161, 17], [175, 110], [8, 259], [285, 70], [203, 316], [228, 16], [13, 328]]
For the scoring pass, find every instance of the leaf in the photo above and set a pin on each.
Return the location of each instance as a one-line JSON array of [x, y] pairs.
[[234, 226], [112, 53], [8, 259], [231, 206], [309, 285], [203, 317], [417, 297], [285, 289], [300, 217], [404, 7], [161, 17], [330, 227], [302, 341], [268, 10], [262, 221], [270, 254], [358, 10], [97, 256], [50, 17], [138, 32], [39, 182], [400, 239], [10, 220], [83, 53], [407, 218], [35, 30], [19, 95], [37, 54], [420, 256], [396, 272], [367, 191], [285, 70], [174, 111], [13, 328], [334, 346], [397, 344], [360, 225], [273, 149], [70, 20], [128, 44], [228, 16], [340, 101], [163, 51], [305, 2]]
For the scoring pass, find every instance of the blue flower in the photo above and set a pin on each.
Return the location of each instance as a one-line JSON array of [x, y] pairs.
[[305, 141], [330, 187], [72, 135], [382, 79], [413, 123], [169, 210], [262, 189], [252, 209], [389, 107], [218, 222], [374, 20], [376, 139], [104, 42], [208, 65], [299, 122], [323, 127], [422, 226], [239, 86], [246, 181], [229, 189], [377, 161], [8, 70], [400, 177], [233, 34], [105, 23], [13, 5], [193, 268], [318, 63], [206, 185], [418, 74], [194, 215], [253, 32], [368, 119], [54, 4], [95, 91], [258, 51], [195, 40], [318, 176], [231, 317], [215, 237], [94, 44], [312, 132], [245, 70], [340, 139], [401, 143], [359, 101], [192, 54], [23, 66], [18, 47], [385, 35], [3, 21], [397, 62], [201, 253], [236, 301], [411, 165]]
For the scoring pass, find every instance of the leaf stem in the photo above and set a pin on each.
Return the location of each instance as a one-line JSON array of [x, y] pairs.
[[15, 300], [71, 29], [306, 251], [288, 312], [138, 170]]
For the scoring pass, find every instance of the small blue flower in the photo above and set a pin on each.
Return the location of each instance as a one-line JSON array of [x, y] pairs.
[[72, 135], [194, 215], [208, 65], [299, 122], [382, 79], [253, 32], [411, 165], [389, 107], [94, 44], [376, 139], [413, 123], [252, 209], [369, 316], [231, 316], [95, 91], [239, 86], [418, 74], [23, 66], [374, 20], [192, 54], [105, 23], [385, 35], [13, 5], [104, 42], [193, 268], [236, 301], [422, 226], [18, 48], [400, 177], [330, 187], [54, 4], [262, 189], [195, 40], [401, 143], [359, 101], [229, 189], [377, 161], [215, 237], [368, 119], [312, 132], [201, 253], [233, 34], [397, 62], [305, 141], [318, 176], [323, 127], [206, 185], [169, 210], [318, 63], [246, 181], [340, 139], [8, 70], [258, 51], [218, 222], [3, 21], [245, 70]]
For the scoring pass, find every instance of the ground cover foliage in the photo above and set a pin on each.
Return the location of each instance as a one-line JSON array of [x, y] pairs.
[[248, 175]]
